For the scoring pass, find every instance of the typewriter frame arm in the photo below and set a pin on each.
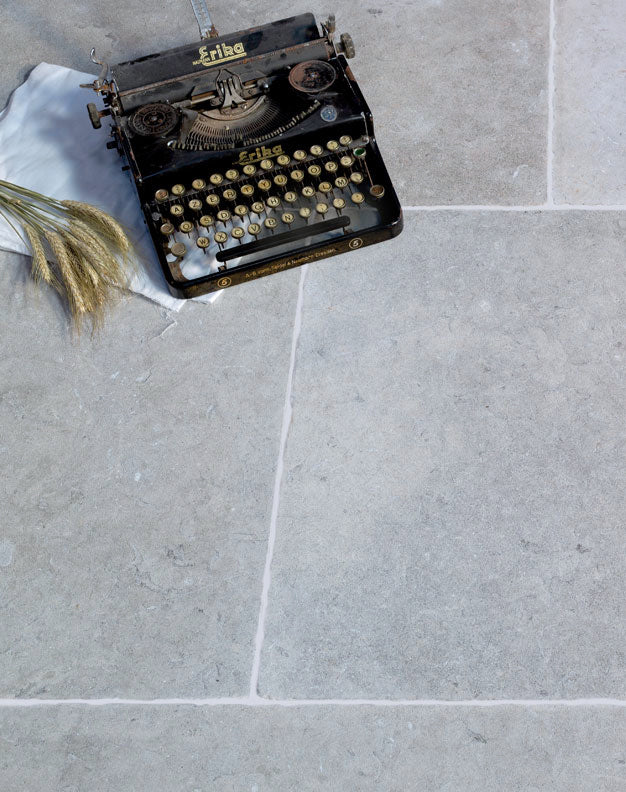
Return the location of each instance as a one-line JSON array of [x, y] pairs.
[[101, 85], [345, 45]]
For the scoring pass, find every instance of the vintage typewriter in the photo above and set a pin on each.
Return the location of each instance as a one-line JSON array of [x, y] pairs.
[[251, 153]]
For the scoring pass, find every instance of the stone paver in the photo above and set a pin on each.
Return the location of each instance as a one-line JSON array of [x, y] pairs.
[[137, 472], [590, 111], [231, 749], [451, 521]]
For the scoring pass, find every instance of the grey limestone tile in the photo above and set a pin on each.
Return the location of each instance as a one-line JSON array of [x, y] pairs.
[[458, 90], [135, 489], [452, 513], [274, 749], [64, 32], [589, 103]]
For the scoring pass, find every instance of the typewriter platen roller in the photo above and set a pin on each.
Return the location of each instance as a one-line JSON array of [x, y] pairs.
[[251, 153]]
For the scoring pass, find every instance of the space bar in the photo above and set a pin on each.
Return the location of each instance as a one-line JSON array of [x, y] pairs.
[[280, 239]]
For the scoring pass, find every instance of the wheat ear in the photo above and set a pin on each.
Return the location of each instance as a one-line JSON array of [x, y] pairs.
[[41, 269]]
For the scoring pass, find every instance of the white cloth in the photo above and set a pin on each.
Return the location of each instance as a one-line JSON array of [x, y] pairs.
[[47, 144]]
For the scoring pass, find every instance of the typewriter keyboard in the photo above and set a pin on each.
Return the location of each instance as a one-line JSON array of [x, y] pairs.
[[286, 201]]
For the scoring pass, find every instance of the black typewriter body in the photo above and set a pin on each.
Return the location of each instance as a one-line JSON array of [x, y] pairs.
[[251, 153]]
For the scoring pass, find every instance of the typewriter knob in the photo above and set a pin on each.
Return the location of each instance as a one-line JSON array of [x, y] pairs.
[[94, 115], [346, 45]]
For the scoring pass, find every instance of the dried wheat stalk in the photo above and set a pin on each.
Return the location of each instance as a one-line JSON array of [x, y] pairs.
[[89, 251]]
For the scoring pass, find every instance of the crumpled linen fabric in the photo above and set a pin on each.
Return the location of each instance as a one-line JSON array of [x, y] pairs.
[[47, 144]]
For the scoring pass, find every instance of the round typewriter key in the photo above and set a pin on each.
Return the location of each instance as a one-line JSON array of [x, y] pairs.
[[206, 221], [186, 227], [177, 210], [273, 202], [297, 175], [203, 242], [254, 229], [237, 232], [316, 151], [325, 187], [291, 197], [247, 190], [270, 222], [220, 237], [321, 208], [198, 184], [223, 215], [332, 145], [288, 218], [282, 159], [161, 195], [356, 178], [241, 210], [345, 140], [178, 249], [347, 161], [341, 182], [265, 185], [230, 194], [258, 207], [314, 170], [178, 189], [357, 197], [339, 204], [167, 229], [232, 174], [195, 204], [212, 200], [305, 212], [299, 155], [249, 170], [377, 190], [280, 180], [330, 167], [216, 178], [360, 152], [308, 192], [267, 164]]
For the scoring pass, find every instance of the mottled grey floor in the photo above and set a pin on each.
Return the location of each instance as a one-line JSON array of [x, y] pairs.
[[445, 604]]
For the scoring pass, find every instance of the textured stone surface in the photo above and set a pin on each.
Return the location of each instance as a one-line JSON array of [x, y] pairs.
[[451, 521], [273, 749], [136, 480], [452, 516], [458, 90], [64, 33], [590, 111]]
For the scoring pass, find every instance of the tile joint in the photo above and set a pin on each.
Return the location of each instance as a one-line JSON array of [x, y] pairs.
[[258, 701], [516, 208], [550, 132], [284, 433]]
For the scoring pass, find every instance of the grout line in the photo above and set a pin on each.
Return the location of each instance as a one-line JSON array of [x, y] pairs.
[[529, 208], [284, 432], [550, 135], [257, 701]]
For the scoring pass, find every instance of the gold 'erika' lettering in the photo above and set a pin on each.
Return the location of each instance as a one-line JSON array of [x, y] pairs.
[[219, 54], [258, 154]]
